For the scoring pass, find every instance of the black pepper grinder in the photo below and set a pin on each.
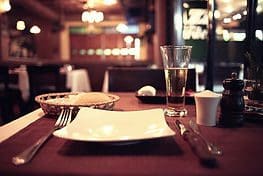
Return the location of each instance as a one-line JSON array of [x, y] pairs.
[[232, 102]]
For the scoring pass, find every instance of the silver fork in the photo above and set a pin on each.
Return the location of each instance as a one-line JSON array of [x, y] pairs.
[[25, 156]]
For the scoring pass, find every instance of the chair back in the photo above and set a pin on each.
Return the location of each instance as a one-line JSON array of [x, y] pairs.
[[130, 79], [11, 103], [4, 78], [43, 79]]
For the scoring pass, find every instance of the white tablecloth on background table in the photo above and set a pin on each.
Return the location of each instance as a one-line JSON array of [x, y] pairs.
[[78, 81], [23, 84], [105, 86], [23, 81]]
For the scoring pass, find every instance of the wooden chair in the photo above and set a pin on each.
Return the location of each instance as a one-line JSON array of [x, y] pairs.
[[11, 103], [4, 78], [130, 79], [42, 79]]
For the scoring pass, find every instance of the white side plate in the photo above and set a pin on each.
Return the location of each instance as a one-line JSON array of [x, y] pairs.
[[94, 125]]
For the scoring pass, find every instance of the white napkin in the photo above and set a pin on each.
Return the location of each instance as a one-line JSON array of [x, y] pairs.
[[147, 91]]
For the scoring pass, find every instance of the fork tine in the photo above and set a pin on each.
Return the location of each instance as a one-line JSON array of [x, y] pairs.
[[66, 118], [69, 117], [60, 117]]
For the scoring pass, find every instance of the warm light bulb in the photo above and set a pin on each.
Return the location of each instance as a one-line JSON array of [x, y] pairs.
[[84, 16], [110, 2], [237, 16], [115, 51], [20, 25], [4, 6], [128, 39], [35, 29], [99, 17], [186, 5], [227, 20], [122, 28], [92, 16]]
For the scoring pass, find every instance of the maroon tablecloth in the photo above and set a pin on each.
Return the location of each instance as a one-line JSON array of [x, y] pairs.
[[243, 153]]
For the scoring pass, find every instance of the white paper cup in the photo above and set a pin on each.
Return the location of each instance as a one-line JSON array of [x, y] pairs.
[[206, 103]]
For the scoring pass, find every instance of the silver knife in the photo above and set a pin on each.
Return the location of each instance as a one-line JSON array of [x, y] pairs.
[[197, 145]]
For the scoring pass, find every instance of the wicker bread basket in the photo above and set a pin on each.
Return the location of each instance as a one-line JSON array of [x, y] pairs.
[[54, 108]]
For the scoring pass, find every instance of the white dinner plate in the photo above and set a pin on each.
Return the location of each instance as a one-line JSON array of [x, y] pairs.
[[95, 125]]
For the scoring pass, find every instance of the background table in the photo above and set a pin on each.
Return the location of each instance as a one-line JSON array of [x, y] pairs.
[[243, 154]]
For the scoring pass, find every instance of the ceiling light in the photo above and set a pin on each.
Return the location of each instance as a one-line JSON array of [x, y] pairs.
[[35, 29], [110, 2], [128, 39], [92, 16], [244, 12], [90, 4], [237, 17], [227, 20], [20, 25], [4, 6], [122, 28], [186, 5]]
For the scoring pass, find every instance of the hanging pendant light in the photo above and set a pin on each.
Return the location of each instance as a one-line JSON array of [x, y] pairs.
[[92, 16], [4, 6]]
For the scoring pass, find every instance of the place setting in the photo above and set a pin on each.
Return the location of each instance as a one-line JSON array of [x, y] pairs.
[[90, 117], [95, 119]]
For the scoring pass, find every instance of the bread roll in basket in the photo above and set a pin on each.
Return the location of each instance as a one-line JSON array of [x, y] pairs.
[[52, 103]]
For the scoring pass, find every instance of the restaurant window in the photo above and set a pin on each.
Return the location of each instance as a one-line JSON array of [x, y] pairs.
[[195, 32], [230, 19]]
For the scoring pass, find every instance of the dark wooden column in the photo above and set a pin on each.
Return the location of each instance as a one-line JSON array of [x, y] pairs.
[[1, 50], [250, 33], [4, 37], [160, 30], [211, 45], [174, 17]]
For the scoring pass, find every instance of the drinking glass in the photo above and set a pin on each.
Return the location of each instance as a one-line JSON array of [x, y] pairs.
[[175, 62]]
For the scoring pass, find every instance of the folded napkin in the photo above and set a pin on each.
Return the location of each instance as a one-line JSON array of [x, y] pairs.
[[147, 91]]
